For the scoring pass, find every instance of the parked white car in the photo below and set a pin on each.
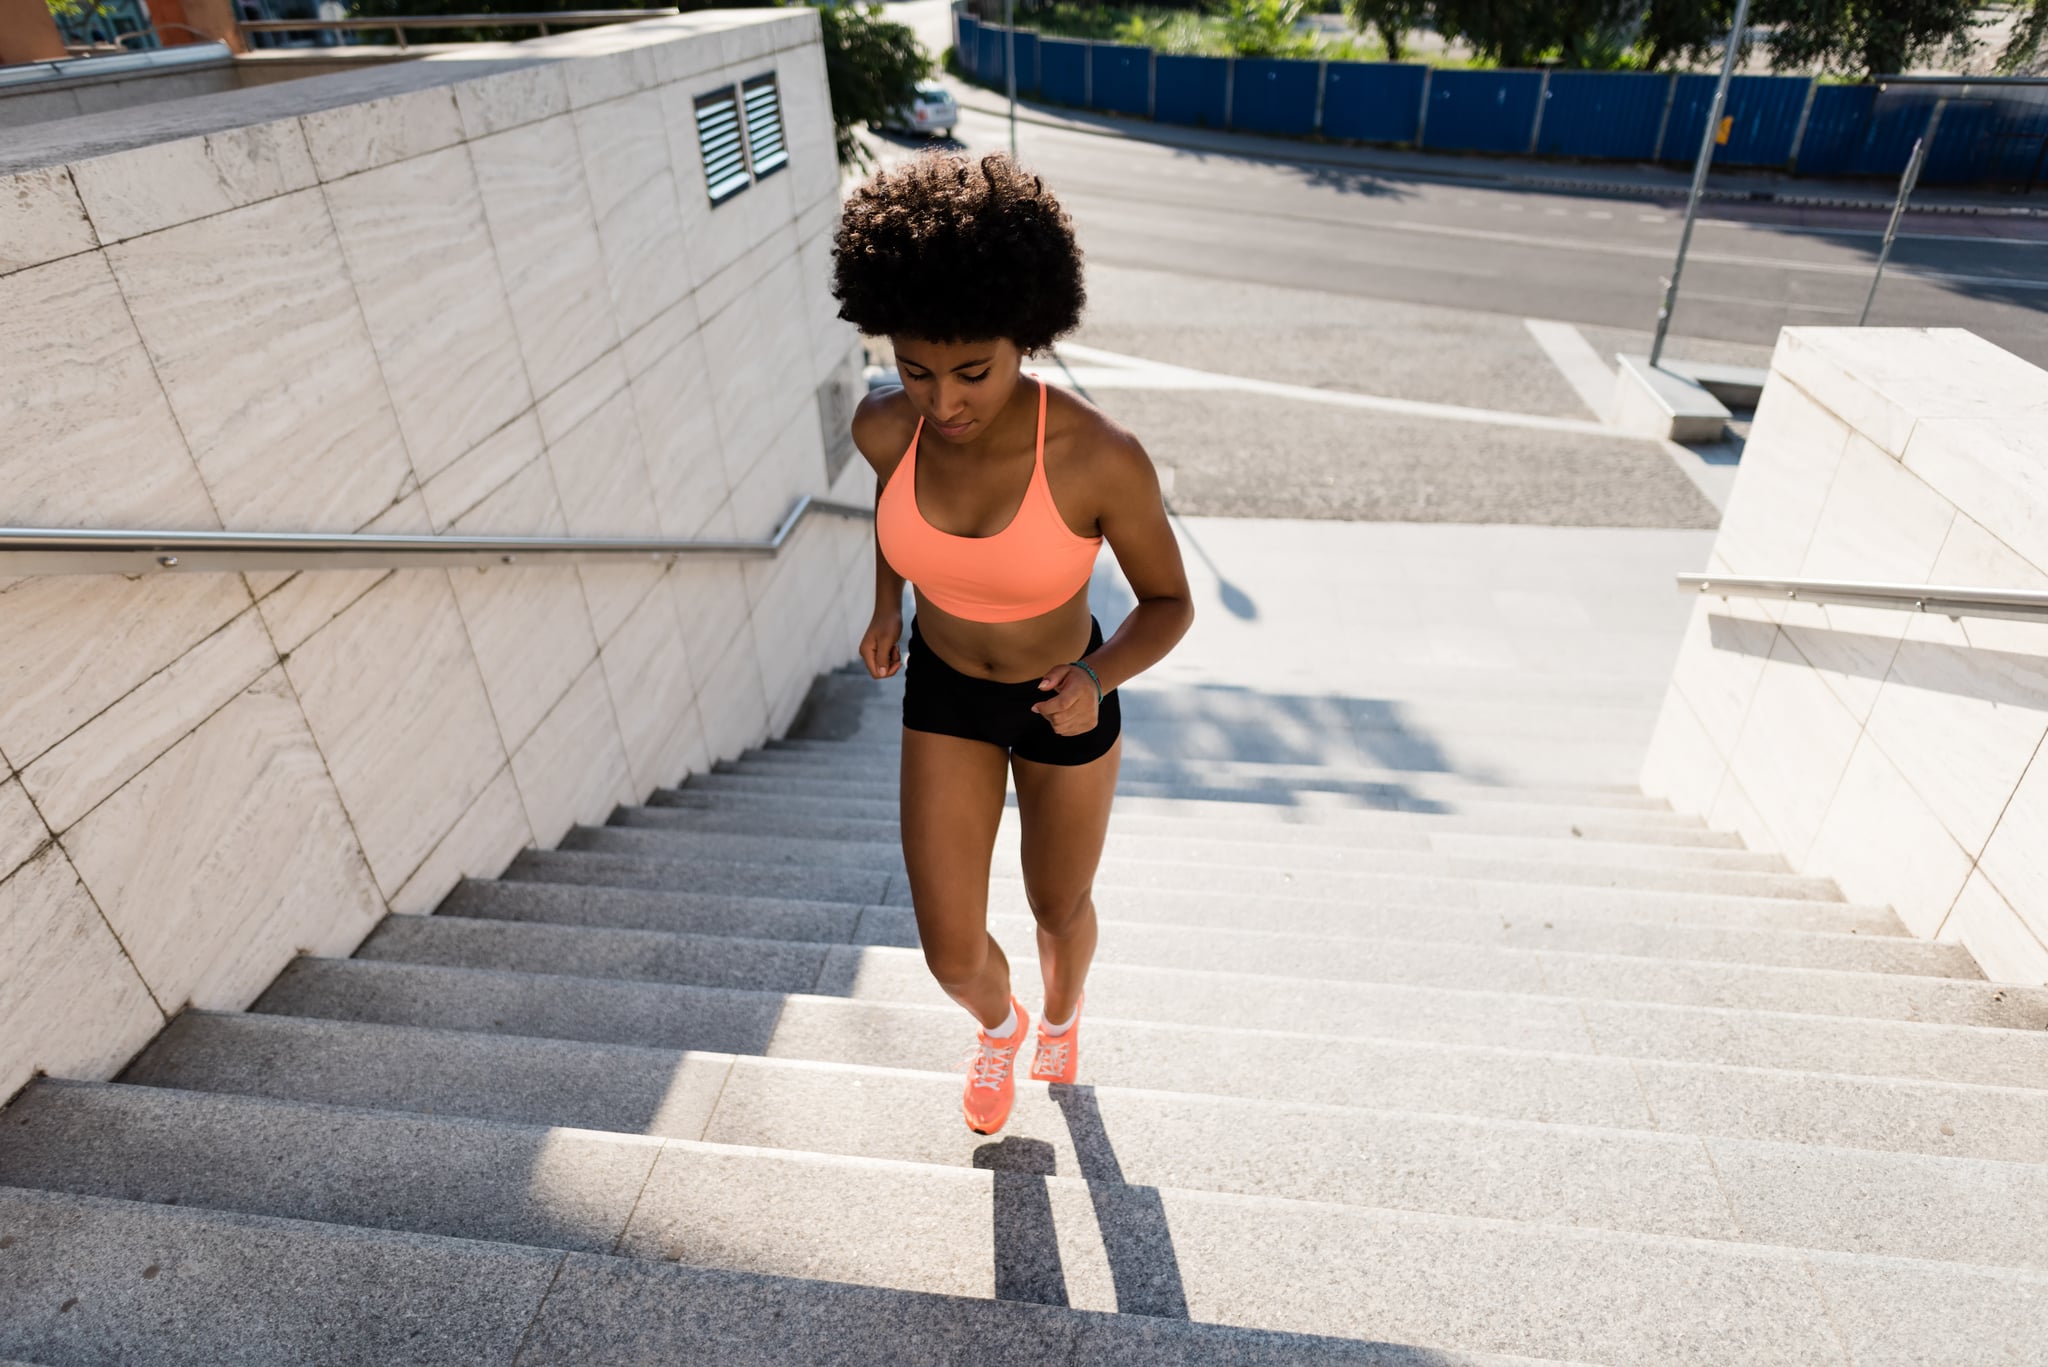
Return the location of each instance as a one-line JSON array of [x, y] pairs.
[[933, 111]]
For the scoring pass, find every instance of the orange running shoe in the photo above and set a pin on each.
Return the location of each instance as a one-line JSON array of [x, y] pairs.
[[991, 1086], [1059, 1056]]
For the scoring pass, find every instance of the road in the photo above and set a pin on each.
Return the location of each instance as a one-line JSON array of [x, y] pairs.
[[1305, 340], [1581, 258]]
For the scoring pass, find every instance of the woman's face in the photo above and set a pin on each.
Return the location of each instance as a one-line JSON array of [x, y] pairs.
[[959, 387]]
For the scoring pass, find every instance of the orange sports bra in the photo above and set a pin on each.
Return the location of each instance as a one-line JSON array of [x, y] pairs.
[[1029, 567]]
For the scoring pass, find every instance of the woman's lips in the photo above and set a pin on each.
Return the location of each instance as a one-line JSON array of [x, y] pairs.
[[955, 429]]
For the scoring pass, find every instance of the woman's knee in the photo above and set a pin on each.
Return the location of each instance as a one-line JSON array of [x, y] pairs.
[[956, 962], [1062, 913]]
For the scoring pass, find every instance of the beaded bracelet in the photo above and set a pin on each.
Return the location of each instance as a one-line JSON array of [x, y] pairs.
[[1091, 674]]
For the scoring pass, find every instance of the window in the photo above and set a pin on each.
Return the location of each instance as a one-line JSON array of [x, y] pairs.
[[718, 138], [764, 124]]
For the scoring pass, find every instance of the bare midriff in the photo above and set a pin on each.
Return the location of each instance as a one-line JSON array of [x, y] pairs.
[[1007, 652]]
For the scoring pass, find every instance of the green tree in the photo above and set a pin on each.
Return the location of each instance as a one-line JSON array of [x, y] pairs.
[[1393, 20], [872, 66], [1265, 28], [2029, 40], [1517, 32], [1865, 37], [1685, 32]]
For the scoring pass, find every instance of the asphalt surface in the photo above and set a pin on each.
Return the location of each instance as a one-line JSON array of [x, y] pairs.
[[1370, 282]]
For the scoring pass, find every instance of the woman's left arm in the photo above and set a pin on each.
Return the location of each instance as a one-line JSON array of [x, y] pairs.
[[1134, 523]]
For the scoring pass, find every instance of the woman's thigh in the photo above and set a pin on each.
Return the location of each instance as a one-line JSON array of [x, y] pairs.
[[1063, 814], [950, 805]]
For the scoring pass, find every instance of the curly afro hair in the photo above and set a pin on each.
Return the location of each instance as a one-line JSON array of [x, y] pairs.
[[951, 249]]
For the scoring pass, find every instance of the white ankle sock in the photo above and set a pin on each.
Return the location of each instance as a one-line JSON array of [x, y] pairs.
[[1007, 1028], [1056, 1030]]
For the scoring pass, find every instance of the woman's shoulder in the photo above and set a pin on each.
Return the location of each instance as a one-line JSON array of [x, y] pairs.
[[883, 422], [1092, 446]]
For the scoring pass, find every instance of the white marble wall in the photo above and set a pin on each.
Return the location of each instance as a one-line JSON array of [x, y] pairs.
[[492, 298], [1900, 754]]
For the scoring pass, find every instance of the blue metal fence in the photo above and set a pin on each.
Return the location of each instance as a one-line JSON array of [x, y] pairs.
[[1190, 90], [967, 45], [1835, 129], [989, 64], [1063, 71], [1373, 101], [1765, 111], [1597, 114], [1121, 77], [1274, 96], [1481, 111], [1791, 122]]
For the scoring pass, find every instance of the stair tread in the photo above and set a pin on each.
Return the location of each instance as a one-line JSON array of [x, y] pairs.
[[1221, 841], [1266, 818], [762, 918], [1529, 1082], [1223, 971], [259, 1290], [478, 1178], [645, 869], [1405, 796], [860, 761], [1277, 870]]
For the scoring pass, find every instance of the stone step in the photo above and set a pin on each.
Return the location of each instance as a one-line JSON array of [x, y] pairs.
[[892, 1147], [1454, 1016], [1230, 845], [1282, 982], [88, 1279], [763, 918], [1006, 892], [1419, 792], [1242, 936], [865, 762], [688, 913], [1251, 871], [1527, 1083], [1258, 815]]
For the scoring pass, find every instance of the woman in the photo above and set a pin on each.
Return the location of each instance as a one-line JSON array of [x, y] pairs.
[[995, 493]]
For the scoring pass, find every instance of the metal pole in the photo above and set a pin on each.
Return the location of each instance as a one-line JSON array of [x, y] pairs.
[[1906, 184], [1699, 177], [1010, 66]]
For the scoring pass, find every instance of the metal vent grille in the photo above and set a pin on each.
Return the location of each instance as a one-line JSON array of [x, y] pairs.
[[718, 136], [764, 124]]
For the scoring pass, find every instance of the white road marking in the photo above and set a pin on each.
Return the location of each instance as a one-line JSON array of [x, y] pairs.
[[1603, 245], [1598, 213], [1114, 370], [1649, 218], [1685, 294], [1576, 360], [1556, 213]]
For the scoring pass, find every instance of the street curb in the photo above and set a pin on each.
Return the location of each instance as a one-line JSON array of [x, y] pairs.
[[1571, 184]]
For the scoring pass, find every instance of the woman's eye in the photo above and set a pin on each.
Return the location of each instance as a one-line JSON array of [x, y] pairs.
[[972, 378]]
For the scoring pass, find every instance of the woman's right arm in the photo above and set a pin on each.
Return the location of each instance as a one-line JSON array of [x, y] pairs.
[[873, 425]]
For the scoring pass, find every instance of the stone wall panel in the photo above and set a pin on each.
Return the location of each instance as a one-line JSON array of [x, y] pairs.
[[462, 302]]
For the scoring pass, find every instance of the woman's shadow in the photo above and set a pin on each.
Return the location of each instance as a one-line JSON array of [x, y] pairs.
[[1132, 1220]]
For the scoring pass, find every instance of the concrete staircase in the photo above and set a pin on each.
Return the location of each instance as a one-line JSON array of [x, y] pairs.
[[1384, 1067]]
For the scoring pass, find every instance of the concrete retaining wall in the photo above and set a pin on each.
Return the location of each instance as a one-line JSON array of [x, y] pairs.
[[481, 294], [1897, 753]]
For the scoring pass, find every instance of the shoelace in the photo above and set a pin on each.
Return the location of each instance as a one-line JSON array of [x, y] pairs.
[[990, 1062], [1052, 1055]]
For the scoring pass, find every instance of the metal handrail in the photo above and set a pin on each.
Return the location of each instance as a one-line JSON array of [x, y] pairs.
[[2020, 605], [44, 550], [399, 23]]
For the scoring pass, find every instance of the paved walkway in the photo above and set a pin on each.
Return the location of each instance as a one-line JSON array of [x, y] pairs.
[[1499, 653]]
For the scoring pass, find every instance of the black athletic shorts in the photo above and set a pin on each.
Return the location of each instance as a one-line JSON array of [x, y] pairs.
[[938, 697]]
